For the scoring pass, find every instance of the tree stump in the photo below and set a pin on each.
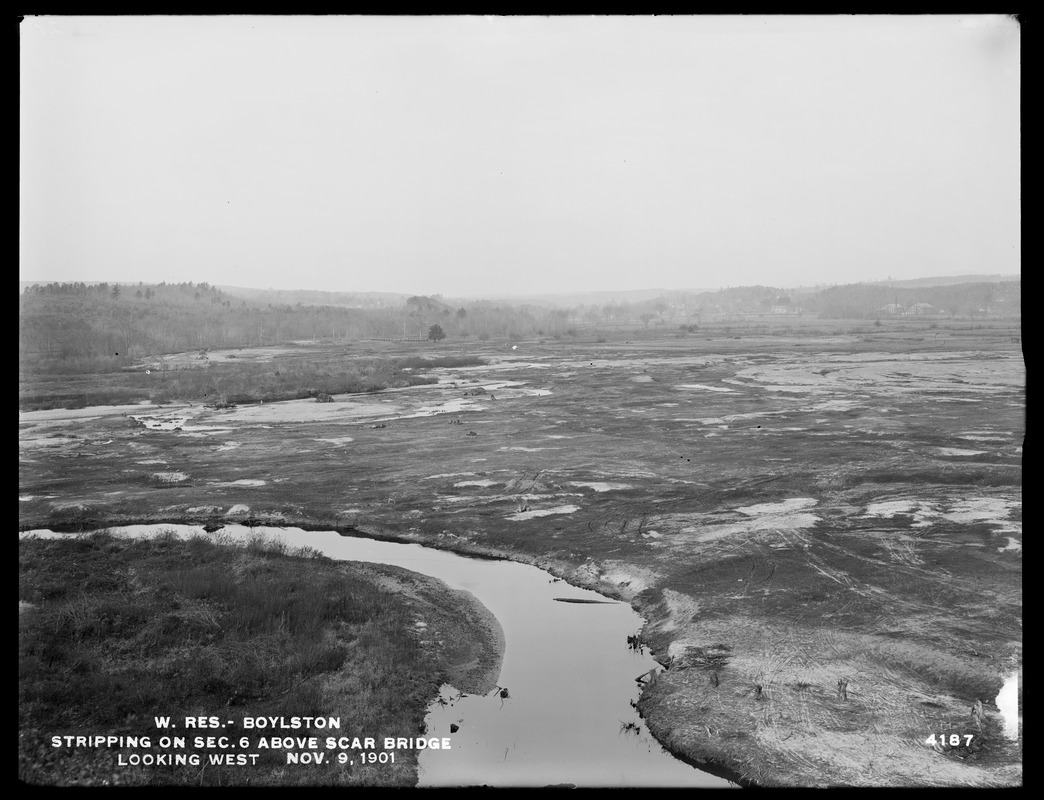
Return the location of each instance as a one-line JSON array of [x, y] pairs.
[[842, 688]]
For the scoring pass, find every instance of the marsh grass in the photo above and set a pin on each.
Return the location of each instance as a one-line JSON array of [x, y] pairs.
[[118, 630]]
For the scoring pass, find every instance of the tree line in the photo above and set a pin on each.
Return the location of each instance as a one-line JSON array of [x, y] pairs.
[[87, 327], [82, 327]]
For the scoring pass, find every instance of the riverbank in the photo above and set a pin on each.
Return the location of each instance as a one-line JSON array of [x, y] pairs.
[[113, 631], [764, 703], [466, 638]]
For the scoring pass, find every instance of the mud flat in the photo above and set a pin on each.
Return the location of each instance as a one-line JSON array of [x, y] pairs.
[[849, 510]]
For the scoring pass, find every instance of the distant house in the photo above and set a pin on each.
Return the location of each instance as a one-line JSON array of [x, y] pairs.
[[891, 308], [921, 308]]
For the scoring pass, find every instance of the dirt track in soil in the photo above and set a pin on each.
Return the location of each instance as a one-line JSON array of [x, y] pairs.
[[784, 512]]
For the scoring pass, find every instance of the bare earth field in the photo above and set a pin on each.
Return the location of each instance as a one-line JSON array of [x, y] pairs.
[[786, 511]]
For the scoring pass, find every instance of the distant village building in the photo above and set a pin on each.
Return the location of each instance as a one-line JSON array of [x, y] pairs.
[[891, 308], [921, 308]]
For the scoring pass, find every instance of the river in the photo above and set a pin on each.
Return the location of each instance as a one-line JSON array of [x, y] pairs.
[[570, 676]]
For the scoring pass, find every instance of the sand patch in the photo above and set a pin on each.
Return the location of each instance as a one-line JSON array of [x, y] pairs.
[[979, 437], [889, 508], [239, 508], [528, 449], [308, 411], [601, 486], [703, 386], [836, 405], [726, 420], [787, 506], [245, 482], [681, 610], [337, 441], [958, 451], [167, 422], [767, 522], [543, 512], [446, 475], [170, 477], [988, 509], [483, 482], [628, 576]]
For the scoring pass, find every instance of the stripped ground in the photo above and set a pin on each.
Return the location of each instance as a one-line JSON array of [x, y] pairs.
[[854, 502]]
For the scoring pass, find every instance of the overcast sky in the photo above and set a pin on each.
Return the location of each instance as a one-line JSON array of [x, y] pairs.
[[489, 155]]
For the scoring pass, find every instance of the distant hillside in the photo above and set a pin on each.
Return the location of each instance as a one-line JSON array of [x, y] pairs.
[[92, 326], [312, 297], [574, 299], [866, 300], [948, 280], [80, 327]]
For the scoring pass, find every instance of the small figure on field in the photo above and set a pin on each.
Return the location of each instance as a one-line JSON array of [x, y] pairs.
[[842, 688], [471, 433], [977, 713]]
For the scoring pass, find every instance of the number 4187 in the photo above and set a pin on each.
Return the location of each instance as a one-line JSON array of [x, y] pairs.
[[953, 739]]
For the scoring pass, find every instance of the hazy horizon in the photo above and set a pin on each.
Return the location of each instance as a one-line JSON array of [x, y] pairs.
[[476, 156], [650, 290]]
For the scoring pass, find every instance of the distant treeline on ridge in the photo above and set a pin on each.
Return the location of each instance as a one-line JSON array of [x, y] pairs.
[[122, 323]]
